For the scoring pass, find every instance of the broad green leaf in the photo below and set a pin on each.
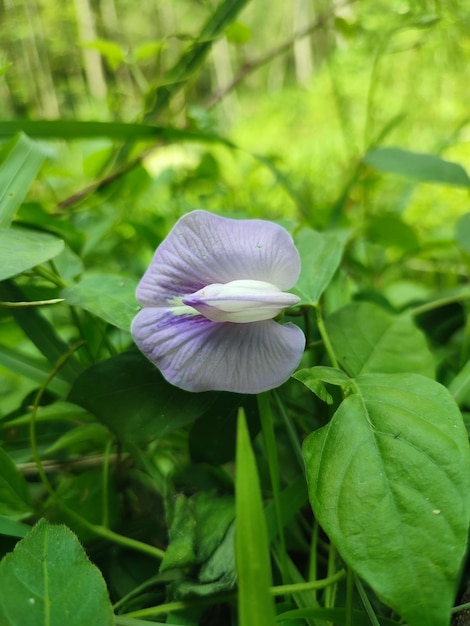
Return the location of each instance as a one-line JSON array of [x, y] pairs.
[[15, 501], [427, 168], [128, 394], [20, 160], [49, 581], [255, 603], [108, 296], [367, 339], [320, 255], [96, 433], [21, 250], [389, 482], [462, 232]]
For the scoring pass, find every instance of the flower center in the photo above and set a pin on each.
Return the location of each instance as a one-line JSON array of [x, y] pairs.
[[240, 301]]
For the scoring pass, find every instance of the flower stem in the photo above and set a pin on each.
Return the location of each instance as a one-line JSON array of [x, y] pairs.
[[325, 337]]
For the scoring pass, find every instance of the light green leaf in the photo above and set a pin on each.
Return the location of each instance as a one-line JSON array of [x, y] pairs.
[[20, 160], [49, 581], [21, 250], [13, 528], [367, 339], [389, 482], [112, 52], [320, 255], [255, 603], [426, 168], [14, 495], [108, 296]]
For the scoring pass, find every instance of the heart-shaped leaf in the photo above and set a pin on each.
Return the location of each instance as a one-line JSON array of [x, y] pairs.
[[389, 482], [367, 339], [49, 581]]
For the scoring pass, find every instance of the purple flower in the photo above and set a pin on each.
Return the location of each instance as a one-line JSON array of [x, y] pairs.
[[209, 296]]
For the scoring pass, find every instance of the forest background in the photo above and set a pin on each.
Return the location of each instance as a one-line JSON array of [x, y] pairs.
[[349, 118]]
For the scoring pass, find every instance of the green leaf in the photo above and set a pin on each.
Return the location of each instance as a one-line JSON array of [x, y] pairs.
[[21, 250], [255, 603], [15, 502], [462, 232], [49, 581], [389, 482], [198, 527], [367, 339], [389, 230], [320, 255], [108, 296], [314, 377], [128, 394], [426, 168], [238, 33], [212, 438], [74, 129], [20, 160], [32, 368], [112, 52], [12, 528]]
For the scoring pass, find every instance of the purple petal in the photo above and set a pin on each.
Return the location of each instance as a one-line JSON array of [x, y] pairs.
[[203, 249], [197, 354]]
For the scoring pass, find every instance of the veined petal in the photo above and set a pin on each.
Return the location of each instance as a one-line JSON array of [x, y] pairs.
[[240, 301], [202, 249], [197, 354]]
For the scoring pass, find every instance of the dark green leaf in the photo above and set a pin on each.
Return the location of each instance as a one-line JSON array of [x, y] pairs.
[[108, 296], [128, 394], [426, 168], [198, 527], [212, 438], [367, 339], [21, 250], [389, 482], [49, 581]]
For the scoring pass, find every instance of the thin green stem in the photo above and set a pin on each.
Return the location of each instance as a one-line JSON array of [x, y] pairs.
[[436, 304], [267, 427], [366, 602], [105, 484], [50, 276], [325, 337], [349, 596], [96, 529], [294, 439], [279, 590], [33, 303]]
